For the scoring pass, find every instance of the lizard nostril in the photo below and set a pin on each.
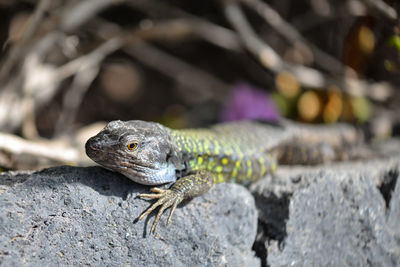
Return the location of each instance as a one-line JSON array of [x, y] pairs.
[[91, 146]]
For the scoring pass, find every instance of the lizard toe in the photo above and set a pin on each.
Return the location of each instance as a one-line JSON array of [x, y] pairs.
[[166, 198]]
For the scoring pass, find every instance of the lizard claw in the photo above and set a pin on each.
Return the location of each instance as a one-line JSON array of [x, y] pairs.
[[166, 198]]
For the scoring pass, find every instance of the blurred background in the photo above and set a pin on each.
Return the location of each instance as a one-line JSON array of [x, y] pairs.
[[66, 67]]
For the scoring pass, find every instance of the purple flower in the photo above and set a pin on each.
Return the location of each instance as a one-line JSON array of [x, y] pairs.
[[248, 102]]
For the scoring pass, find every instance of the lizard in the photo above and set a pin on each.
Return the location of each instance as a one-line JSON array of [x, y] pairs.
[[193, 160]]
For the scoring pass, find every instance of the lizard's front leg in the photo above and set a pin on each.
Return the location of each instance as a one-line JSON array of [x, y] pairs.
[[185, 188]]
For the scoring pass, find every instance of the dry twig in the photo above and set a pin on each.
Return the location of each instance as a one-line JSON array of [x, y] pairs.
[[28, 154]]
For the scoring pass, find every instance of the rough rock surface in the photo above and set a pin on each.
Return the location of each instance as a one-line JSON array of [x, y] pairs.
[[341, 214], [339, 221], [86, 216]]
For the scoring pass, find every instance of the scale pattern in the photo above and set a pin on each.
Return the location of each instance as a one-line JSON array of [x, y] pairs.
[[231, 152]]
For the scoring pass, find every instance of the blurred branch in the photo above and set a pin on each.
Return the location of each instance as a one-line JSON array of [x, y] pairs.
[[195, 81], [209, 31], [199, 82], [306, 76], [383, 8], [83, 11], [86, 68], [273, 18], [89, 60], [36, 82], [17, 49], [16, 152], [179, 28]]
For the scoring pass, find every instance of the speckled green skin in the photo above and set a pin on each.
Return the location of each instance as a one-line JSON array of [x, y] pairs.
[[235, 152]]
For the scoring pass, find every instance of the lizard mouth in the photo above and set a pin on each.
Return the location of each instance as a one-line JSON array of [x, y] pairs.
[[140, 165], [136, 167]]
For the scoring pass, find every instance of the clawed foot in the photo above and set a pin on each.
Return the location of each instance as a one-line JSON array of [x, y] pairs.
[[166, 198]]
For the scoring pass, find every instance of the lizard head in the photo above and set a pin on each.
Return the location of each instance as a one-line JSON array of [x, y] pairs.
[[140, 150]]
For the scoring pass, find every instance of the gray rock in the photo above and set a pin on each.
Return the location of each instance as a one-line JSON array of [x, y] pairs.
[[86, 216], [273, 193], [338, 214], [337, 221]]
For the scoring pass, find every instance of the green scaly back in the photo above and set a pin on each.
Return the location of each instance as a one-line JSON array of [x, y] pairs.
[[233, 152]]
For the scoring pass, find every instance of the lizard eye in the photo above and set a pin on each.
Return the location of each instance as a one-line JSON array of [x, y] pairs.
[[132, 146]]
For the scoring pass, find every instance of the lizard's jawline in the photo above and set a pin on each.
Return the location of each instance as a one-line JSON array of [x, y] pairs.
[[161, 175]]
